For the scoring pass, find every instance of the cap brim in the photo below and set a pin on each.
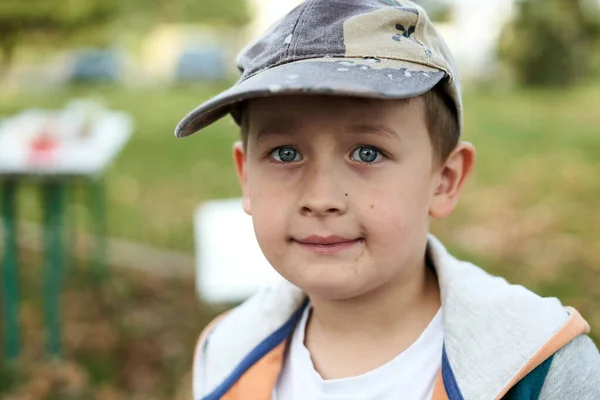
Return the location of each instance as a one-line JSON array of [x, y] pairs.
[[357, 77]]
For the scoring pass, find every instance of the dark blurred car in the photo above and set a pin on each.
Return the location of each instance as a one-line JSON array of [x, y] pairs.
[[96, 66], [204, 63]]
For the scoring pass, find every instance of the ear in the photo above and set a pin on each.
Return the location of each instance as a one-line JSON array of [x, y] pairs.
[[239, 158], [453, 175]]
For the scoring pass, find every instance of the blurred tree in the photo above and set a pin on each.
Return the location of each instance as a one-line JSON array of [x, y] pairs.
[[551, 42], [215, 12], [36, 22]]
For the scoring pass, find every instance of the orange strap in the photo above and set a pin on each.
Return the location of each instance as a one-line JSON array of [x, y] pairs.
[[258, 382], [439, 391]]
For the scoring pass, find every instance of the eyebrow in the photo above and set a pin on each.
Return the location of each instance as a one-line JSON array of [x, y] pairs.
[[285, 128], [275, 128], [376, 129]]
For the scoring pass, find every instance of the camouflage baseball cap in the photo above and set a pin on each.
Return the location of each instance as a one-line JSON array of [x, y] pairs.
[[383, 49]]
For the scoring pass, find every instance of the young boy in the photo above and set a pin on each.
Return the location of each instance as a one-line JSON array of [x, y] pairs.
[[350, 113]]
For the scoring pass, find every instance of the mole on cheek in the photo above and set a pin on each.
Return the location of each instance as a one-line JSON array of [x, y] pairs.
[[372, 205], [346, 195]]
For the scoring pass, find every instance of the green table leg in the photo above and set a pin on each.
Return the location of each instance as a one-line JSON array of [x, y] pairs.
[[53, 198], [97, 202], [71, 247], [10, 292]]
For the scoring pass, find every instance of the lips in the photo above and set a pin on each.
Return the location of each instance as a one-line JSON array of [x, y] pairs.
[[326, 240], [327, 244]]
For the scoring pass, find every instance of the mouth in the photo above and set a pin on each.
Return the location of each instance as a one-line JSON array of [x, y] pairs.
[[328, 244]]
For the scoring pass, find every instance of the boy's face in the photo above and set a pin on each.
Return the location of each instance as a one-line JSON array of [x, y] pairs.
[[341, 189]]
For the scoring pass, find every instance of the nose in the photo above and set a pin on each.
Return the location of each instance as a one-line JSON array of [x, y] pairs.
[[321, 192]]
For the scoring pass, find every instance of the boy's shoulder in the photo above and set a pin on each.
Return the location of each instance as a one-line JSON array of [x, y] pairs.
[[495, 333], [574, 372]]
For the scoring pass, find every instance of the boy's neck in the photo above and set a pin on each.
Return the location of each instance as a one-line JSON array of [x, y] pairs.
[[353, 336]]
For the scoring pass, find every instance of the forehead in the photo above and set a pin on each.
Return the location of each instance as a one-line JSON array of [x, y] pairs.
[[335, 110]]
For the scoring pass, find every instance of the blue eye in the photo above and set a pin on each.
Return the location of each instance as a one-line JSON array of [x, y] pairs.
[[286, 154], [366, 154]]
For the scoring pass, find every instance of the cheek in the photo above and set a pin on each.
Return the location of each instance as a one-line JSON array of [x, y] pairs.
[[268, 226], [398, 213], [269, 215], [386, 223]]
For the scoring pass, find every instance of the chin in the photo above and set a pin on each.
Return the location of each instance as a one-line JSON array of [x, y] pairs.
[[332, 288]]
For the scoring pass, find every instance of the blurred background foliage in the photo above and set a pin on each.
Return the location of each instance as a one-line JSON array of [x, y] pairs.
[[529, 213], [60, 23], [46, 22], [553, 42]]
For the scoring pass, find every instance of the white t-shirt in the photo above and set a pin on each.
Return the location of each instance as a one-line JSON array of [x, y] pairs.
[[410, 375]]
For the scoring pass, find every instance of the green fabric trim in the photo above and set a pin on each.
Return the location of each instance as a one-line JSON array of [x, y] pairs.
[[529, 388]]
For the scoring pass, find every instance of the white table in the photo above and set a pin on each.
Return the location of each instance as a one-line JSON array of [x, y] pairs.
[[54, 148], [71, 155]]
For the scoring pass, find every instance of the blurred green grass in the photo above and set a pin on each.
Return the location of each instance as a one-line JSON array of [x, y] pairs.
[[529, 212]]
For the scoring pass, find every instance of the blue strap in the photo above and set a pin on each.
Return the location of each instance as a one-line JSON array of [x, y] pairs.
[[450, 383]]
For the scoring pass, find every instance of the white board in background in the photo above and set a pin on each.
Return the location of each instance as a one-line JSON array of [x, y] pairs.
[[230, 267]]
